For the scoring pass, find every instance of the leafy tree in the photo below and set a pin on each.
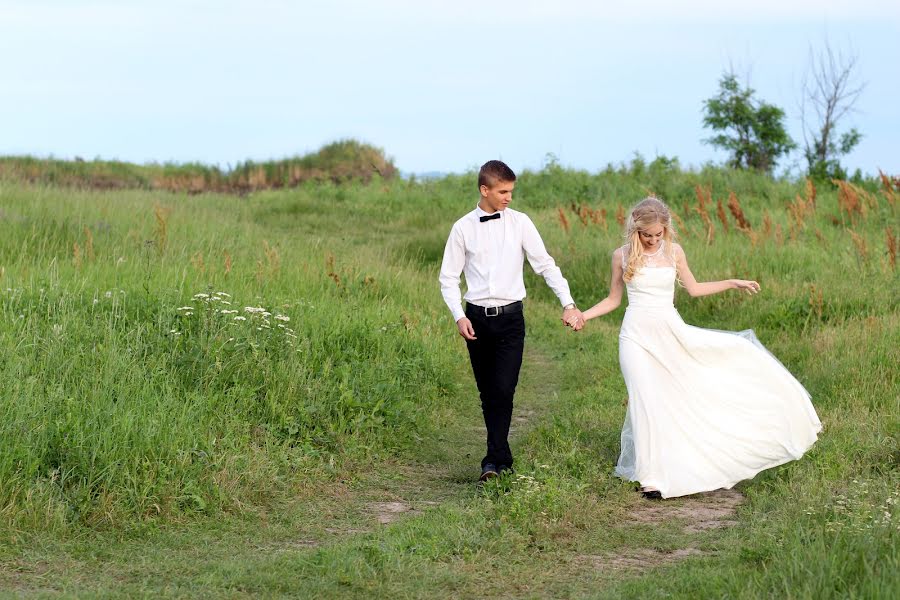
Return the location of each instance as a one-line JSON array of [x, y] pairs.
[[751, 130]]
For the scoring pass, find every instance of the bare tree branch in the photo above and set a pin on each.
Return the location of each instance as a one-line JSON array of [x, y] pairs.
[[830, 91]]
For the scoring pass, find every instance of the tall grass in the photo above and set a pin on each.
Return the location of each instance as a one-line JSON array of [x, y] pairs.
[[143, 379], [167, 355], [337, 162]]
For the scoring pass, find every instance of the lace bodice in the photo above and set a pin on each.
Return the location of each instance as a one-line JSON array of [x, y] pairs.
[[659, 258], [653, 285]]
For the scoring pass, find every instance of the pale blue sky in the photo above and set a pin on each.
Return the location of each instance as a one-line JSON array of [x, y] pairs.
[[441, 86]]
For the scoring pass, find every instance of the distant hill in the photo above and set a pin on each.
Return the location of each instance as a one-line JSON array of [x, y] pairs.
[[342, 161]]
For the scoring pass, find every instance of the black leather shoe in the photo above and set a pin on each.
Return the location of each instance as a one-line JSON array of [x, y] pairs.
[[488, 471], [652, 495]]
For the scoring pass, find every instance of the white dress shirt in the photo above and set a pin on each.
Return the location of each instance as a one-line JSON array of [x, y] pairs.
[[492, 255]]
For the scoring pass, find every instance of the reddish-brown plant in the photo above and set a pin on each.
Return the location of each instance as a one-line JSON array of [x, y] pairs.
[[563, 220]]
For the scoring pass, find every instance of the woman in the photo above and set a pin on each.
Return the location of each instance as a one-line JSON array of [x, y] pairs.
[[706, 409]]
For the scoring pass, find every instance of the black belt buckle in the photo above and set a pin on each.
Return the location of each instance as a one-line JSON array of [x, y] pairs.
[[487, 310]]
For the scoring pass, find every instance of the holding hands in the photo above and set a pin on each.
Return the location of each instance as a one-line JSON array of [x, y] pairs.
[[574, 318]]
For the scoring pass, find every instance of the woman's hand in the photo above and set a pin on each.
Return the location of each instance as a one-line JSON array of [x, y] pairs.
[[576, 322], [573, 318], [751, 287]]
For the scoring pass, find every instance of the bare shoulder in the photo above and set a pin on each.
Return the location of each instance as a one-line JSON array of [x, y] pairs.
[[617, 253], [678, 251]]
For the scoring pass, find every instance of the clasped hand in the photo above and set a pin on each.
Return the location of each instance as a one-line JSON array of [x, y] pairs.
[[573, 318]]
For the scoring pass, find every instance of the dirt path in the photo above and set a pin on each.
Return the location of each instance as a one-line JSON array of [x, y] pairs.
[[357, 514], [539, 386], [693, 514], [416, 487]]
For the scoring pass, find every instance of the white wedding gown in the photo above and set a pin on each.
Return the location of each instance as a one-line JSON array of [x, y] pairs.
[[706, 408]]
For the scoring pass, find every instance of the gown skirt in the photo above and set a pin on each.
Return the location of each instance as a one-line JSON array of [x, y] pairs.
[[706, 408]]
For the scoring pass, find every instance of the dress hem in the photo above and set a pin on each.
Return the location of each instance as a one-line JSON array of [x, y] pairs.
[[725, 485]]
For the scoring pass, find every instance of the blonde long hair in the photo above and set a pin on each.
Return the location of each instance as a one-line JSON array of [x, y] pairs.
[[646, 213]]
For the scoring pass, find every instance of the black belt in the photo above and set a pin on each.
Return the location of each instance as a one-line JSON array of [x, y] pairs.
[[496, 311]]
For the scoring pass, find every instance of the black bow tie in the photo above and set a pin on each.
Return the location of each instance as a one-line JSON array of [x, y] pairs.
[[496, 215]]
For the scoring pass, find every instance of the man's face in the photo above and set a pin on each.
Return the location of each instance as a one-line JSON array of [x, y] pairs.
[[497, 196]]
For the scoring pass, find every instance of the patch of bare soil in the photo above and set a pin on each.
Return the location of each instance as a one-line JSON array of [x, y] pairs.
[[701, 512], [388, 512], [638, 559], [710, 510]]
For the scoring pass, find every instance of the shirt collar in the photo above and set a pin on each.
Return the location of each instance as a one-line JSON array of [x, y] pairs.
[[480, 213]]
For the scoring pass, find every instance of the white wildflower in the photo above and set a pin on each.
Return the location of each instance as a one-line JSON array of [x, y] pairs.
[[254, 309], [201, 296], [96, 301], [222, 294], [108, 294], [228, 312], [240, 318], [282, 318], [185, 308]]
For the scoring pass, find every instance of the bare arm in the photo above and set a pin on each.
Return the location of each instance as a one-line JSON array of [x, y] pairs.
[[707, 288], [616, 285]]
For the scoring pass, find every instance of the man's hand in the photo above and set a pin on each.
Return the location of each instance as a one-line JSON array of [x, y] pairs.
[[465, 329], [573, 318]]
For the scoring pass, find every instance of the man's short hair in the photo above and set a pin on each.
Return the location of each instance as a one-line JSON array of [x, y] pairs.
[[493, 171]]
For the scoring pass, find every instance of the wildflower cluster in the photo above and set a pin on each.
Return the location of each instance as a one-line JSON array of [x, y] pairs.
[[215, 314], [526, 484], [862, 509]]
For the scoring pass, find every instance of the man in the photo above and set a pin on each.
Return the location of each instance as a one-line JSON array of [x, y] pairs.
[[489, 245]]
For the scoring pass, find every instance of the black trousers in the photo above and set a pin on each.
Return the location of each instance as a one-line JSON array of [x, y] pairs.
[[496, 360]]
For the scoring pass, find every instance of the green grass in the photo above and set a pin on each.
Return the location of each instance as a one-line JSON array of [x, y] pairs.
[[152, 451], [338, 162]]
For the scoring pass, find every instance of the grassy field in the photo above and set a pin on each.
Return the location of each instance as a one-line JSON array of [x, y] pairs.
[[338, 162], [211, 395]]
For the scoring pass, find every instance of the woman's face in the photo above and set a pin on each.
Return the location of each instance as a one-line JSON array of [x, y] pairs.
[[651, 236]]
